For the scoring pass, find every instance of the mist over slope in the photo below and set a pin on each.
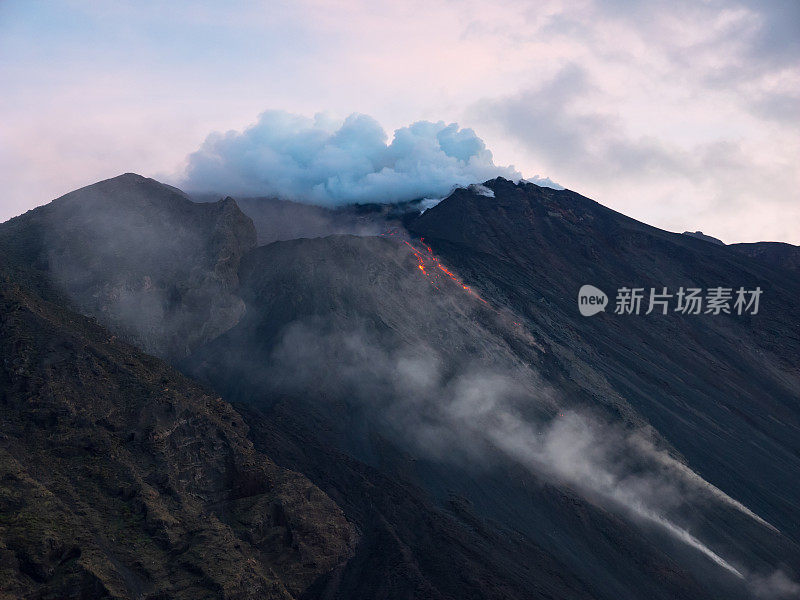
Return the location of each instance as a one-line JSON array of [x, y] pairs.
[[731, 375], [138, 255]]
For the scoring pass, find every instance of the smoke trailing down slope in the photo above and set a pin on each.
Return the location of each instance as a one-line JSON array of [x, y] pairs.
[[467, 415]]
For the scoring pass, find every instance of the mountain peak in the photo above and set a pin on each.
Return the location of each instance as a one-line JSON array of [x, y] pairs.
[[136, 253], [702, 236], [126, 189]]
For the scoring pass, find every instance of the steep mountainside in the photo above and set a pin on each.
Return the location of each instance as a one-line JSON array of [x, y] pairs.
[[330, 358], [139, 256], [724, 390], [362, 359], [119, 478], [280, 220]]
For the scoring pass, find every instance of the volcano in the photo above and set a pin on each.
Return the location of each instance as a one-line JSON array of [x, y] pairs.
[[451, 425]]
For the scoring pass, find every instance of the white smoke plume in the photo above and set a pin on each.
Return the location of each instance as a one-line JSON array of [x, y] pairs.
[[776, 586], [449, 415], [322, 161]]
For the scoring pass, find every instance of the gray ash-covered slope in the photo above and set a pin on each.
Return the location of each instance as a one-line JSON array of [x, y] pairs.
[[723, 390], [372, 376], [120, 478], [411, 545], [344, 357], [139, 256], [278, 220]]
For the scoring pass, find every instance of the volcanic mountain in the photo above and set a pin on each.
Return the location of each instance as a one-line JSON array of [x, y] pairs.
[[436, 382], [139, 256]]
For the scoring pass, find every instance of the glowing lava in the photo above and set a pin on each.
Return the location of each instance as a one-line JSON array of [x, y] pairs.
[[436, 273], [428, 263]]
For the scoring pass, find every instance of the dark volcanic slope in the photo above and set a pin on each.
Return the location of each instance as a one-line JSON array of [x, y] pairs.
[[381, 387], [119, 478], [139, 256], [723, 390], [701, 236], [777, 254], [312, 393]]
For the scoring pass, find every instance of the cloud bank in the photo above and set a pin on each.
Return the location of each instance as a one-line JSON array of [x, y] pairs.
[[326, 162]]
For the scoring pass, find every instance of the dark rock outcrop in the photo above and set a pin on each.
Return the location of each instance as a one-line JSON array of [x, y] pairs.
[[119, 478]]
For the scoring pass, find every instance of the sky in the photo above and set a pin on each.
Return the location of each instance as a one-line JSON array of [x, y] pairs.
[[684, 114]]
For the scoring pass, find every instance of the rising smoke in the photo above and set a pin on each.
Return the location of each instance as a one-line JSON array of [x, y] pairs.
[[332, 163]]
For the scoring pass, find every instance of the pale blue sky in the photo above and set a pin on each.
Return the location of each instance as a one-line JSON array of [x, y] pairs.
[[683, 114]]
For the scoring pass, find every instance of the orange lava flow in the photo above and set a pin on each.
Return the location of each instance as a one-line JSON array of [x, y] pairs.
[[438, 275], [427, 262]]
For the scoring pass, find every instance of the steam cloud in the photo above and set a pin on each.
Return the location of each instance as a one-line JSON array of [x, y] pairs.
[[325, 162]]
